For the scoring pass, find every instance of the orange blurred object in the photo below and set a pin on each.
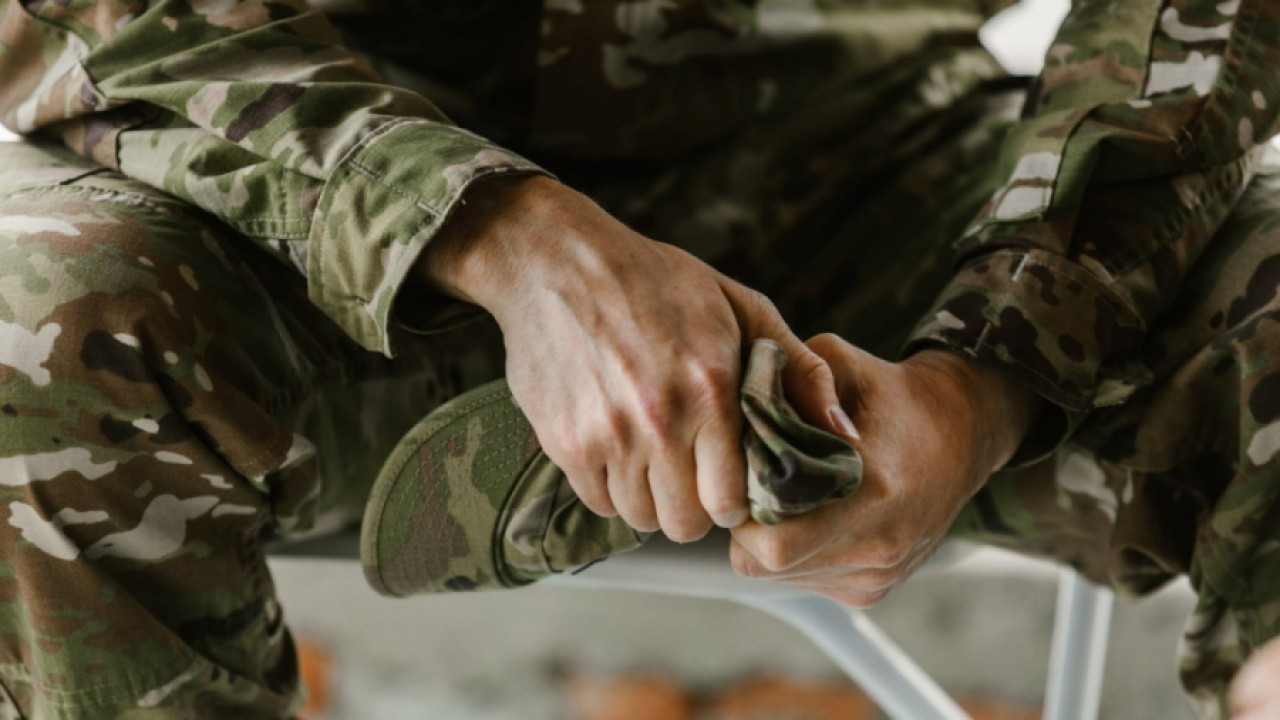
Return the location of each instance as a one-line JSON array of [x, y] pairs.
[[640, 696], [988, 710], [768, 697], [315, 662]]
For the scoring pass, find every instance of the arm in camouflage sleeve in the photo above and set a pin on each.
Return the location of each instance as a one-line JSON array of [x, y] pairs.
[[1138, 138], [251, 110]]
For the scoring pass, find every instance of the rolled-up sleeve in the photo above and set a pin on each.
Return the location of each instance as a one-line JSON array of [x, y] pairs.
[[1141, 133], [254, 112]]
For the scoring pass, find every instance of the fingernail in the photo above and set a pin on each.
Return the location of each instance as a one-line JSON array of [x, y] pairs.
[[842, 423], [733, 519]]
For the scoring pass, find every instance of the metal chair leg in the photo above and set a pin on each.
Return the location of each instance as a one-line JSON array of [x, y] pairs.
[[1078, 660], [886, 673]]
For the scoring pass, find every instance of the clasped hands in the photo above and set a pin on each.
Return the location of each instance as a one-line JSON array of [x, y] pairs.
[[625, 354]]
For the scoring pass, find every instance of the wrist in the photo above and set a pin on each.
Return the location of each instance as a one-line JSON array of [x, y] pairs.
[[472, 256], [993, 406]]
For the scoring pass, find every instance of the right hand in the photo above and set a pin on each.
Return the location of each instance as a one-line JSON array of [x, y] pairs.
[[624, 353]]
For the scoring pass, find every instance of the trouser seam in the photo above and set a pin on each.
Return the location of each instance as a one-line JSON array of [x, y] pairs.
[[18, 672], [108, 195]]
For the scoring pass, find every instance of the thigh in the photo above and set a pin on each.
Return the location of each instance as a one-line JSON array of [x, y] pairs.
[[168, 401]]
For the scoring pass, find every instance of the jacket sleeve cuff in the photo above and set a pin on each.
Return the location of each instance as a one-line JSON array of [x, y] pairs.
[[383, 204], [1050, 323]]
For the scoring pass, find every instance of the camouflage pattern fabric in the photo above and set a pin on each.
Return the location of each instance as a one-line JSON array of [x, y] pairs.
[[1116, 239], [1182, 477], [792, 466], [169, 402], [468, 500]]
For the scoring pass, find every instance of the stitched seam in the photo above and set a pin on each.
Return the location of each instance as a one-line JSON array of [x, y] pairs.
[[378, 179], [1086, 280], [130, 198], [319, 250]]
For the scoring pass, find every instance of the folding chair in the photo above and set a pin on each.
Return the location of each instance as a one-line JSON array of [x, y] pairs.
[[849, 637]]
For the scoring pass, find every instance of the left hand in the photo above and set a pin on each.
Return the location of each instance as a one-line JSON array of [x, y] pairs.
[[932, 429], [1255, 693]]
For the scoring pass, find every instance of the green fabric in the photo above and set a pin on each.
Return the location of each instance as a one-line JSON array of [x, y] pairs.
[[792, 466]]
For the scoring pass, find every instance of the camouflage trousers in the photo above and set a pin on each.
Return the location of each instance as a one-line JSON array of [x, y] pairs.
[[169, 400]]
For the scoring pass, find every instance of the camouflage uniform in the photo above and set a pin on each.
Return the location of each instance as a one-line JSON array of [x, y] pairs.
[[201, 345]]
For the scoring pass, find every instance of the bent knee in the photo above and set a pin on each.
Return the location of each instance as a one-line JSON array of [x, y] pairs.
[[94, 278]]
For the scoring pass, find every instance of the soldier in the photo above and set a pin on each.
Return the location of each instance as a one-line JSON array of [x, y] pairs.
[[239, 247]]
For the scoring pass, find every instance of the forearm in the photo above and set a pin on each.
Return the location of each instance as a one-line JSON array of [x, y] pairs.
[[495, 234], [992, 408], [1131, 152]]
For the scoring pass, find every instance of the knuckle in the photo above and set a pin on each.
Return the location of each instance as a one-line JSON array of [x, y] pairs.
[[713, 384], [639, 518], [591, 490], [881, 580], [721, 503], [742, 564], [863, 599], [600, 507], [569, 450], [758, 300], [824, 341], [611, 434], [873, 597], [776, 554], [591, 444], [882, 553], [655, 414], [815, 368], [645, 524]]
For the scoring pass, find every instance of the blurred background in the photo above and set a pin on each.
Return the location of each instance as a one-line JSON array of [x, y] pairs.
[[982, 627]]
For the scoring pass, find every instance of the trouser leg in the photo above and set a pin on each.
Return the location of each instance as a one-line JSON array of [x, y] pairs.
[[169, 400]]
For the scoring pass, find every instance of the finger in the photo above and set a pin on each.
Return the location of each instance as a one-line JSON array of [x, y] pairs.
[[858, 589], [747, 565], [722, 468], [782, 547], [1254, 688], [576, 461], [848, 594], [811, 385], [672, 483], [629, 492], [814, 571], [592, 489]]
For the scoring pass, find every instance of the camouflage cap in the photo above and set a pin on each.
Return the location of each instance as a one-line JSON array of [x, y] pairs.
[[469, 501]]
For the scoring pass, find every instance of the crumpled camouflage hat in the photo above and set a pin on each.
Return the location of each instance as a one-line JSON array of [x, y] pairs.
[[468, 500]]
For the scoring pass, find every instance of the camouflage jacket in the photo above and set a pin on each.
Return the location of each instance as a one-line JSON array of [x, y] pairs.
[[1137, 138]]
